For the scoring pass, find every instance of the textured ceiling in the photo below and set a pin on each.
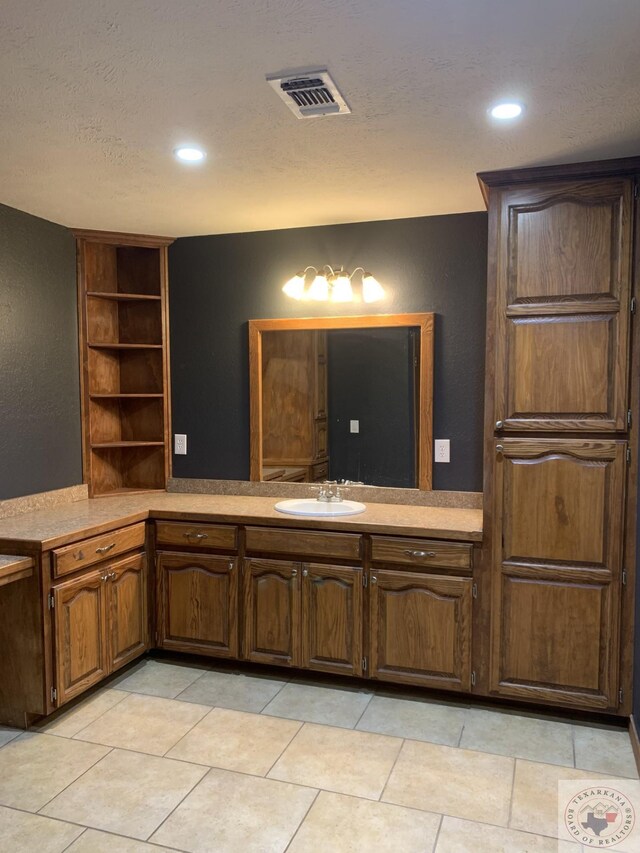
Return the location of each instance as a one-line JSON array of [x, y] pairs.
[[95, 94]]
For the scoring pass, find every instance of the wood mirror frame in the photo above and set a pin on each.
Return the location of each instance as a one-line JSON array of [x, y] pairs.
[[424, 396]]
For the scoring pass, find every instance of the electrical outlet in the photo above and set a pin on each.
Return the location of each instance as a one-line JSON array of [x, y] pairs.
[[354, 426], [180, 444], [442, 449]]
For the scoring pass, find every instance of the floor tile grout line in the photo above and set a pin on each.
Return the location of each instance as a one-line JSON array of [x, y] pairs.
[[277, 693], [77, 838], [437, 838], [97, 761], [197, 723], [459, 744], [513, 790], [306, 815], [393, 767], [189, 686], [177, 806], [295, 735], [364, 711], [80, 730]]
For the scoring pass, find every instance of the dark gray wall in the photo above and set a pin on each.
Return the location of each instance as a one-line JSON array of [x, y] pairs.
[[371, 379], [40, 444], [217, 283]]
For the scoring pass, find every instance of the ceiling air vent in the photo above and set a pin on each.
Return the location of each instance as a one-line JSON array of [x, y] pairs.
[[310, 94]]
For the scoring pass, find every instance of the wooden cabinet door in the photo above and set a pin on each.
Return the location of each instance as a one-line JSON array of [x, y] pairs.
[[421, 629], [272, 612], [127, 608], [332, 618], [563, 269], [80, 626], [198, 603], [556, 579]]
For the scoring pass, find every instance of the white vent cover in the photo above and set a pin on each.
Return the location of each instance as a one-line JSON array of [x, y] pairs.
[[310, 94]]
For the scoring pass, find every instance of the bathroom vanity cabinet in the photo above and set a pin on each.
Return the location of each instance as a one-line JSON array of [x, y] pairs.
[[355, 600]]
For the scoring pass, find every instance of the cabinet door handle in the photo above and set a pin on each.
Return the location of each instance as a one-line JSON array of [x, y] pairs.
[[294, 572], [499, 449], [111, 575], [231, 565], [374, 579], [105, 548], [420, 554], [193, 535], [305, 572], [499, 424], [104, 578]]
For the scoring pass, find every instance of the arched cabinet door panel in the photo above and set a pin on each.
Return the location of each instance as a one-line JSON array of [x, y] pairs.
[[128, 624], [332, 618], [198, 603], [563, 277], [420, 628], [80, 626], [271, 601], [557, 567]]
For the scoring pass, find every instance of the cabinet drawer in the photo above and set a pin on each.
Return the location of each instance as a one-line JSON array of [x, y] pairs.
[[71, 558], [205, 536], [304, 543], [320, 472], [421, 552]]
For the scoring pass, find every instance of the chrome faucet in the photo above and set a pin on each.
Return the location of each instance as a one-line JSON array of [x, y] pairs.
[[330, 492]]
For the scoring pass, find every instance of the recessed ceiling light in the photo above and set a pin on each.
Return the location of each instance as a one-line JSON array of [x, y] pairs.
[[506, 110], [189, 154]]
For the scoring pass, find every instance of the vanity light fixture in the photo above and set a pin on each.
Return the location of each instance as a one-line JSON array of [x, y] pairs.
[[189, 154], [329, 285]]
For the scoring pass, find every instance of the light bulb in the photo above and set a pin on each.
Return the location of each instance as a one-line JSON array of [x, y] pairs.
[[295, 286], [506, 110], [189, 154], [341, 290], [372, 290], [319, 289]]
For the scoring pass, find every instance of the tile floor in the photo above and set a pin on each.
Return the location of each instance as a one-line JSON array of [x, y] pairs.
[[204, 760]]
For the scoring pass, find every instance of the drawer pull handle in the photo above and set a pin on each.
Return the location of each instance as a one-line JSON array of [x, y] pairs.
[[193, 535], [105, 548], [420, 554]]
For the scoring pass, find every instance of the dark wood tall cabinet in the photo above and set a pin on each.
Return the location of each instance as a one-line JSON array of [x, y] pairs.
[[124, 361], [561, 414]]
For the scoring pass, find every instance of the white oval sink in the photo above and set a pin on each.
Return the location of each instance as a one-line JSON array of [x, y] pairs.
[[310, 506]]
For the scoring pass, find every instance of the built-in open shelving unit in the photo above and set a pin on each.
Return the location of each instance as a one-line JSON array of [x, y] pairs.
[[122, 303]]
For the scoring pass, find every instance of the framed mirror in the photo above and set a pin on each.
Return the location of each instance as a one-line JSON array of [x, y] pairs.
[[342, 398]]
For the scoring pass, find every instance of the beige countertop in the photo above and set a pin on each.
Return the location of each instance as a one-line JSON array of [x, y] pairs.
[[60, 525], [14, 568]]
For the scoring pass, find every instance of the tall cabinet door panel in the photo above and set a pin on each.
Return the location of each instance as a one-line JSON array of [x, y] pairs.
[[272, 612], [198, 596], [80, 632], [421, 629], [563, 292], [332, 618], [557, 570], [128, 624]]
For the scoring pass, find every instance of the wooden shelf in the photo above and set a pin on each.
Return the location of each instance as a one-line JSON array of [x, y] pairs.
[[126, 396], [122, 287], [110, 445], [124, 297], [123, 346]]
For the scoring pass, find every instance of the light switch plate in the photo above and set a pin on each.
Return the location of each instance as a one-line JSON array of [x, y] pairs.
[[354, 426], [180, 444], [442, 450]]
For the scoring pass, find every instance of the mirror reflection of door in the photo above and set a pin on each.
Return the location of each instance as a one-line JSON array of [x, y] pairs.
[[340, 405]]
